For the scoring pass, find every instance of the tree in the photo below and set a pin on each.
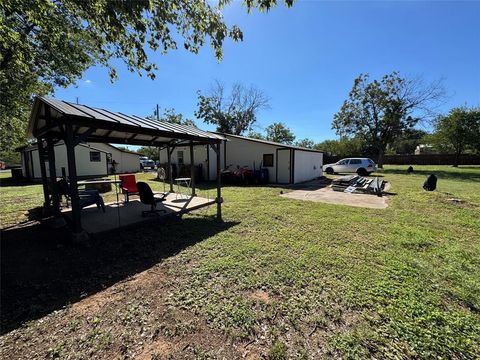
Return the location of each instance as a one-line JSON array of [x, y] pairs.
[[171, 116], [278, 132], [457, 131], [44, 44], [122, 148], [256, 135], [381, 110], [149, 151], [234, 113], [344, 147], [407, 141], [306, 143]]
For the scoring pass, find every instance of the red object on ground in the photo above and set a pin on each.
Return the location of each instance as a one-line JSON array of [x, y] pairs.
[[129, 185]]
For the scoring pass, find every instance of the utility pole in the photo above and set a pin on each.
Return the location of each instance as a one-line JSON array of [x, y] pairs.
[[77, 100], [158, 112]]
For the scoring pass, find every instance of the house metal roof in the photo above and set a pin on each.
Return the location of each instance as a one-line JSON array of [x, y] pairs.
[[49, 115], [283, 146]]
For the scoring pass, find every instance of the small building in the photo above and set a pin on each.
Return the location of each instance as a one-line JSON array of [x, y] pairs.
[[423, 149], [93, 159], [286, 164]]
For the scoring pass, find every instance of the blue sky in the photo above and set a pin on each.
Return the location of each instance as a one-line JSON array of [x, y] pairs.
[[305, 59]]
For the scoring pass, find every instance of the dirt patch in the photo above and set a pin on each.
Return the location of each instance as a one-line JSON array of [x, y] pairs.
[[259, 295], [328, 196], [107, 298], [459, 203], [161, 349]]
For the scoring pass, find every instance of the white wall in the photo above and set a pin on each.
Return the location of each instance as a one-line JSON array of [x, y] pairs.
[[84, 166], [308, 165], [126, 162], [199, 155], [241, 152]]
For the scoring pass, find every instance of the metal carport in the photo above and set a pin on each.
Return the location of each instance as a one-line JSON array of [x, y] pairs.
[[53, 120]]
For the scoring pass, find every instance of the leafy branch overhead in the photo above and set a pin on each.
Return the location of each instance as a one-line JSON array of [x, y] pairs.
[[44, 43], [58, 40]]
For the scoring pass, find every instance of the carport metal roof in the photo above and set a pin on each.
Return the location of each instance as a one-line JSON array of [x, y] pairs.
[[100, 125], [53, 120]]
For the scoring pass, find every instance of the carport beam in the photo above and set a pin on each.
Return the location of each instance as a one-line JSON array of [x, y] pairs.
[[192, 170], [43, 172], [170, 170], [53, 176], [72, 175], [219, 184]]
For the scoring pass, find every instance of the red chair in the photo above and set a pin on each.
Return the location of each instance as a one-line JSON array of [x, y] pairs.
[[129, 186]]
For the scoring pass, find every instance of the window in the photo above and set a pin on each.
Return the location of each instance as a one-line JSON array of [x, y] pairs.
[[95, 156], [180, 157], [343, 162], [355, 161], [268, 160]]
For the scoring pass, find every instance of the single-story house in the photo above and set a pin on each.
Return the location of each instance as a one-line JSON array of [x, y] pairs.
[[286, 164], [93, 159]]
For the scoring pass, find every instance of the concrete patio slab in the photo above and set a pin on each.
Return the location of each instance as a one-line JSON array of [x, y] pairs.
[[327, 195], [119, 215]]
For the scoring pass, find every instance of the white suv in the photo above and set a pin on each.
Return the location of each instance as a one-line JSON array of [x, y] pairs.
[[361, 166]]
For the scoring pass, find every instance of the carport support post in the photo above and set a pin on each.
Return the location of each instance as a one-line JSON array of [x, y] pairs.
[[219, 183], [72, 174], [53, 176], [192, 170], [43, 172], [170, 170]]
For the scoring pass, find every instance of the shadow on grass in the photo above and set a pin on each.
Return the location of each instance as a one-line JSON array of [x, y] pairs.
[[42, 272], [441, 174], [10, 182]]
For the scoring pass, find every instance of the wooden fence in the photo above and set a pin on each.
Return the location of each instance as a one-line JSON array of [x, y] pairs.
[[423, 159]]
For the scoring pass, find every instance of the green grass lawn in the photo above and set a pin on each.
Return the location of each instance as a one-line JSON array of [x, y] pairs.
[[310, 280]]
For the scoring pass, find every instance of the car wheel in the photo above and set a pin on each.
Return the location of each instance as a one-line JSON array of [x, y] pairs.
[[362, 172], [329, 171]]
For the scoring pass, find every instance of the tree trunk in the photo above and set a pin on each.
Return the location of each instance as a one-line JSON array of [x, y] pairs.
[[456, 159], [381, 154]]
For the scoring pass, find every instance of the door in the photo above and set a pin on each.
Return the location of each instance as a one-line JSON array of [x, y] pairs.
[[283, 166], [354, 164], [342, 166]]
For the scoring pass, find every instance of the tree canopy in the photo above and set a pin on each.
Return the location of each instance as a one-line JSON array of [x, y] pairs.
[[380, 110], [344, 147], [44, 44], [306, 143], [256, 135], [457, 131], [170, 115], [234, 113], [278, 132], [407, 141]]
